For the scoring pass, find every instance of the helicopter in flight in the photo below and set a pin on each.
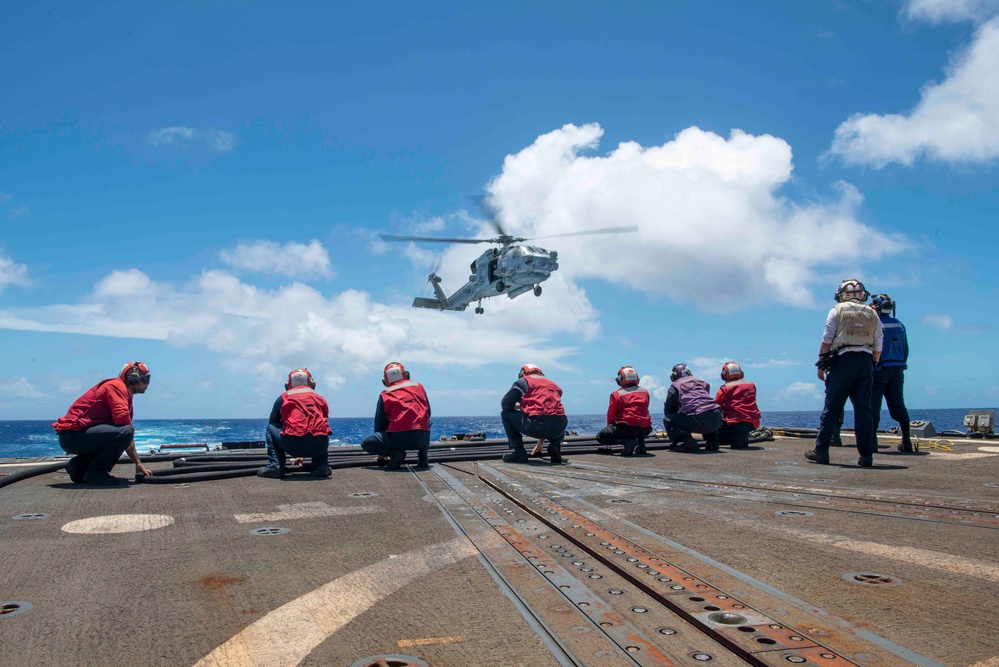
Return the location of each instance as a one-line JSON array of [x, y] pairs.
[[513, 268]]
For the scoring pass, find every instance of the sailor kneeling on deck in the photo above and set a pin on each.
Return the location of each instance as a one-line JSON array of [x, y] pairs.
[[98, 427], [737, 400], [402, 420], [533, 407], [628, 419], [299, 425], [689, 409]]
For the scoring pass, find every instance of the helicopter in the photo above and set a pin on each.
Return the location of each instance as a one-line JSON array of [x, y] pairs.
[[512, 269]]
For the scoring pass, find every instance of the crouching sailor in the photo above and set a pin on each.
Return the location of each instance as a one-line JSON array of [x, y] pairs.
[[737, 400], [533, 407], [98, 427], [299, 425], [628, 419], [402, 420], [689, 409]]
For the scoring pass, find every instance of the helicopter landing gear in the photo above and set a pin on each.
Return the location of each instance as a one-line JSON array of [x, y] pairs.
[[479, 309], [500, 286], [537, 290]]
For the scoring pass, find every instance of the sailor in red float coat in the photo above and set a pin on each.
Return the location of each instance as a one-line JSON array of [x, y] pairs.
[[97, 428], [533, 406], [298, 426], [628, 421], [402, 420], [737, 400]]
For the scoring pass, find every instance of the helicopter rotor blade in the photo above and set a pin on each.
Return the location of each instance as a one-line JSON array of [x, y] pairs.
[[492, 213], [587, 232], [432, 239]]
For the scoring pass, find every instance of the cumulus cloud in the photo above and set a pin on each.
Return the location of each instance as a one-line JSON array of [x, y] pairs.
[[294, 260], [938, 11], [216, 141], [938, 320], [11, 387], [345, 335], [713, 229], [12, 273], [801, 390], [955, 120]]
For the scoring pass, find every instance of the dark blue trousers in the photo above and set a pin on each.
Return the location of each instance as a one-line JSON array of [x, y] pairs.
[[97, 448], [851, 378], [316, 447], [888, 383], [517, 425]]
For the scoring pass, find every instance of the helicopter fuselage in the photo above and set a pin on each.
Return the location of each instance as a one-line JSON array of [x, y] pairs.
[[511, 270]]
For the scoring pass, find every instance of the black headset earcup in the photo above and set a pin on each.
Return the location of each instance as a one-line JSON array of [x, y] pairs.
[[406, 374]]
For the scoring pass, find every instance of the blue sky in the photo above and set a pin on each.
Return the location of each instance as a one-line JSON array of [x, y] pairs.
[[201, 187]]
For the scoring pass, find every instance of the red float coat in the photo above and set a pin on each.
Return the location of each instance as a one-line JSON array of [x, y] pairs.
[[304, 412], [543, 397], [406, 407], [629, 405], [737, 399], [107, 402]]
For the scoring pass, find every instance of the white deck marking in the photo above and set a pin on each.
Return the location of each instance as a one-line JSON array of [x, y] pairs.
[[285, 636], [933, 559], [118, 523], [428, 641], [306, 511]]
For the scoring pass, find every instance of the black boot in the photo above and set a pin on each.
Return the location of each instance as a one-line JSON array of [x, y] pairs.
[[423, 457], [555, 451], [396, 460], [641, 447], [906, 445], [688, 445], [630, 444], [516, 455], [711, 442]]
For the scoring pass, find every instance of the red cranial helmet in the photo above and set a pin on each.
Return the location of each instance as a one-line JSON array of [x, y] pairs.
[[300, 377], [529, 369], [135, 372], [394, 372], [627, 377], [731, 371]]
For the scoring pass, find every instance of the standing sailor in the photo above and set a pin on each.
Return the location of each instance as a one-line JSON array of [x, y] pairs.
[[402, 420], [628, 418], [299, 425], [533, 406], [889, 373], [851, 346], [98, 427]]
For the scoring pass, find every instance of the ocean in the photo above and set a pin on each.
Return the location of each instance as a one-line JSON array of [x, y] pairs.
[[36, 438]]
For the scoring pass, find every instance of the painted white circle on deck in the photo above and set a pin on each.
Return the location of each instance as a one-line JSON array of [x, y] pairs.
[[991, 450], [118, 523]]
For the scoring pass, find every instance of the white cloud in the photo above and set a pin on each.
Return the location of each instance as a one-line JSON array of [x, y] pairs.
[[343, 336], [11, 387], [937, 11], [657, 389], [938, 320], [295, 260], [12, 273], [773, 363], [713, 230], [956, 120], [216, 141], [801, 390]]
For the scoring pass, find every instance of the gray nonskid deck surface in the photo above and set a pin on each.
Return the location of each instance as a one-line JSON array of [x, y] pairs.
[[390, 574]]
